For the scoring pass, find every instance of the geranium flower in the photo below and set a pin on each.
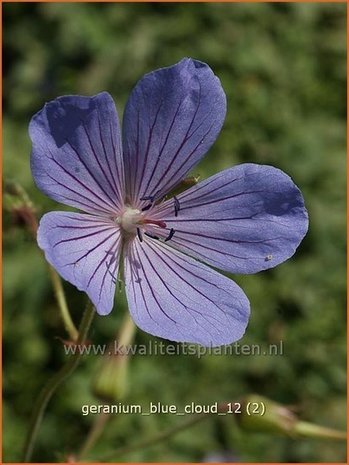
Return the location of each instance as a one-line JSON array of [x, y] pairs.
[[242, 220]]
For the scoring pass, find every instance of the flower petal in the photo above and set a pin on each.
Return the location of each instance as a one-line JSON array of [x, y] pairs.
[[175, 297], [242, 220], [76, 156], [85, 251], [171, 119]]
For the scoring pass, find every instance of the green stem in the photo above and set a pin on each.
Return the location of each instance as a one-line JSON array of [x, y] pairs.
[[94, 433], [62, 304], [29, 217], [155, 439], [124, 337], [127, 331], [305, 429], [56, 380], [222, 408]]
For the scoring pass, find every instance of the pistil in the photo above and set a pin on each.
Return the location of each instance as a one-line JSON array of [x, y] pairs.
[[159, 223]]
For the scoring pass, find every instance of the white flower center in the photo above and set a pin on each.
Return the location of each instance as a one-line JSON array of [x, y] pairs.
[[130, 219], [138, 222]]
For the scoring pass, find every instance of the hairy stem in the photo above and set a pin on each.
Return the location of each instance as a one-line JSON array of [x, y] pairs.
[[51, 386]]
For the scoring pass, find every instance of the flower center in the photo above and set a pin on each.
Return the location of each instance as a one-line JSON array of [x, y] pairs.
[[129, 219], [132, 219], [139, 222]]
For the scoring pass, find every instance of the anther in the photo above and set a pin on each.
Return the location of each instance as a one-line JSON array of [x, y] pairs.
[[147, 207], [177, 205], [169, 237], [139, 234], [152, 197], [152, 236]]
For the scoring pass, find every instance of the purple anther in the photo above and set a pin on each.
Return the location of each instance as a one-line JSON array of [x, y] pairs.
[[152, 236], [147, 207], [169, 237], [177, 205]]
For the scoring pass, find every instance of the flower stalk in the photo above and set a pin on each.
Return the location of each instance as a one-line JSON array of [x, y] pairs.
[[94, 433], [111, 381], [18, 203], [280, 419], [52, 385], [193, 420], [309, 430], [62, 304]]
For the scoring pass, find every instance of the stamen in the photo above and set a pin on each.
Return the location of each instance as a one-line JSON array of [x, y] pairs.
[[147, 207], [139, 234], [152, 236], [151, 197], [169, 237], [177, 205]]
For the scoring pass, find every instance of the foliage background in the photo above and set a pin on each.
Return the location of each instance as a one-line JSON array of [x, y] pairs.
[[283, 69]]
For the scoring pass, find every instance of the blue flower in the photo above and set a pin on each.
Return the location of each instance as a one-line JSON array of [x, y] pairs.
[[242, 220]]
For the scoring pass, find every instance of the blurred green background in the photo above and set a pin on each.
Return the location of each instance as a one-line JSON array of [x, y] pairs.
[[283, 68]]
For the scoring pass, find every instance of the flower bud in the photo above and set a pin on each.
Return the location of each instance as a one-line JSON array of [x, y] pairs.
[[111, 380], [110, 383], [260, 414]]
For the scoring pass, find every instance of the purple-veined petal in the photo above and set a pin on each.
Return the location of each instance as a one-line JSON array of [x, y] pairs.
[[178, 298], [76, 156], [171, 119], [85, 250], [242, 220]]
